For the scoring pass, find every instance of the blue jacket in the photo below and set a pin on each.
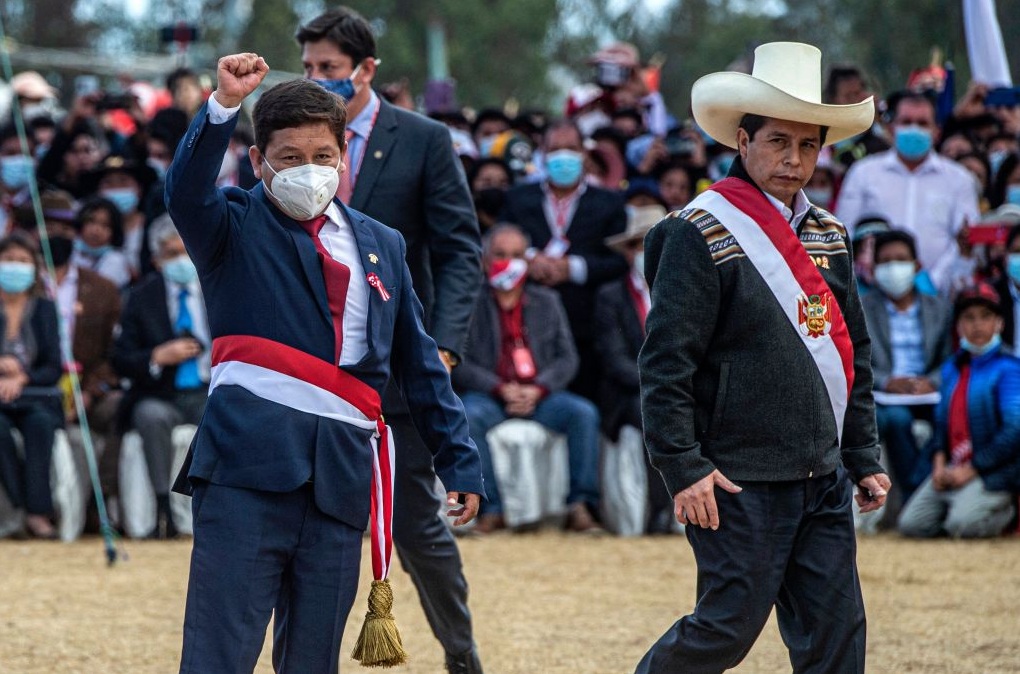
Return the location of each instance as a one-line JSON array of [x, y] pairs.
[[993, 413], [261, 277]]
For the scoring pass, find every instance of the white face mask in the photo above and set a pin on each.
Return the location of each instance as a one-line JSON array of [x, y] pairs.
[[303, 192], [895, 279], [639, 263]]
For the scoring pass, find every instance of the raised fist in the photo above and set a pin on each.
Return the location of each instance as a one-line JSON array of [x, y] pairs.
[[237, 76]]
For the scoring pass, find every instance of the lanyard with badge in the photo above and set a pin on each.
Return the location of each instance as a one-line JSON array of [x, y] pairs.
[[560, 244]]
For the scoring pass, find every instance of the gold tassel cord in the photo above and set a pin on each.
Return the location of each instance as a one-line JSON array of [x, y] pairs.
[[379, 643]]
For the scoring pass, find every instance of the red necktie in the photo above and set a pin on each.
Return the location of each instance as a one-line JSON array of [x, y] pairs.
[[346, 187], [336, 275]]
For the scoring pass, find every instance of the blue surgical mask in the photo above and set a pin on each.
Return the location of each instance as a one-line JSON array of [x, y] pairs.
[[975, 350], [180, 270], [913, 142], [564, 167], [486, 144], [124, 198], [1013, 194], [94, 252], [995, 160], [16, 277], [344, 88], [1013, 267], [16, 170]]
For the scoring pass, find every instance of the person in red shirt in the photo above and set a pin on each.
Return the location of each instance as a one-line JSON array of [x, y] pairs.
[[519, 358]]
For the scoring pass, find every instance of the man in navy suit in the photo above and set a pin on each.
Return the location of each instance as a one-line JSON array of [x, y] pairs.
[[311, 311], [403, 171]]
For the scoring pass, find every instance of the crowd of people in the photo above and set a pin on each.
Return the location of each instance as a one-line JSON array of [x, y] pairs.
[[931, 202]]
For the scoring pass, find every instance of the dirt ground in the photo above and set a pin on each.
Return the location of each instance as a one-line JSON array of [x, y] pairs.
[[543, 602]]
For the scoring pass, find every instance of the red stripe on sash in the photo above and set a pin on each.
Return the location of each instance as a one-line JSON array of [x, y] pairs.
[[756, 206]]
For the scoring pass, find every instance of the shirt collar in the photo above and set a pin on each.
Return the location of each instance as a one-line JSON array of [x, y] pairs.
[[801, 206], [361, 125], [928, 165], [913, 310], [582, 187]]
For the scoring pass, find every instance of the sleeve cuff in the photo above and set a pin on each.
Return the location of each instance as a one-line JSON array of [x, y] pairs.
[[219, 114], [578, 269]]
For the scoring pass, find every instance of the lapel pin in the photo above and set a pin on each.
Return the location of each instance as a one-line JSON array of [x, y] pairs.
[[376, 282], [373, 258], [378, 154]]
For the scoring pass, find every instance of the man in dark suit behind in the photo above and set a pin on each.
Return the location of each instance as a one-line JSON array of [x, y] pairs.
[[568, 221], [403, 171]]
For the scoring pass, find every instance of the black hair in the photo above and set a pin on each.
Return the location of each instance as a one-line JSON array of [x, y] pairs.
[[612, 135], [837, 74], [295, 103], [345, 28], [997, 186], [895, 99], [94, 204], [559, 124], [175, 77], [882, 239], [752, 124], [477, 167], [169, 125], [488, 115]]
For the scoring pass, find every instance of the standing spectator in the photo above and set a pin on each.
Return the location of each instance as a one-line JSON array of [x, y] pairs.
[[29, 370], [402, 171], [186, 91], [517, 363], [488, 125], [77, 148], [846, 85], [976, 459], [1008, 288], [568, 222], [676, 185], [16, 170], [100, 236], [620, 310], [909, 341], [1005, 187], [163, 348], [914, 188], [125, 182], [489, 179]]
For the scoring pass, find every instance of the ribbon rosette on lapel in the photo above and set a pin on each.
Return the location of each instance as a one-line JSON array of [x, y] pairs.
[[376, 282]]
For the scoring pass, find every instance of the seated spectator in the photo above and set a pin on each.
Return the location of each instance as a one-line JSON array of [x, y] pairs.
[[976, 446], [489, 180], [909, 341], [821, 187], [620, 310], [489, 123], [15, 171], [100, 236], [163, 349], [126, 183], [1008, 287], [863, 239], [29, 370], [518, 360], [914, 189], [77, 148]]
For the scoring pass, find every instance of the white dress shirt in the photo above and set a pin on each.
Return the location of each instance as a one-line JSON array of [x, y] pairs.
[[66, 295], [801, 204], [199, 319], [337, 237], [578, 266], [932, 202]]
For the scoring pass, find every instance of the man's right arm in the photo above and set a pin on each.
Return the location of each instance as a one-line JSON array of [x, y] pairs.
[[685, 294]]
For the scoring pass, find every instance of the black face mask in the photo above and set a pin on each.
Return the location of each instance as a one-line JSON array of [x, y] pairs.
[[61, 248], [490, 201]]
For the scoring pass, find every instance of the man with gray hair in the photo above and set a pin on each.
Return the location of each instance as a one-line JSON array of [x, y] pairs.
[[163, 350]]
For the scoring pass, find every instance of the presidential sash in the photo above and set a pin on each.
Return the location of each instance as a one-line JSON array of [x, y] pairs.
[[773, 248]]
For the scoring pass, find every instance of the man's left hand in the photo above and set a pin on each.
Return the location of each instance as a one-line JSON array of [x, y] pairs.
[[467, 510], [872, 492]]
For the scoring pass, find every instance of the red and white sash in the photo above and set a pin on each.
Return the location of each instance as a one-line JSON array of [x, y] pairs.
[[298, 380], [773, 248]]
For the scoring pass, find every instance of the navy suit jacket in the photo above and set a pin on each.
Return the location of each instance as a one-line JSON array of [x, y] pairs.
[[261, 276], [600, 213]]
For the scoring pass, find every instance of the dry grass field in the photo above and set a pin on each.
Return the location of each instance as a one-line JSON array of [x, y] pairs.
[[543, 602]]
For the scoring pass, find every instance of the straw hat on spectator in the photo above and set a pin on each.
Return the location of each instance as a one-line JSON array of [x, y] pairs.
[[785, 83], [32, 86], [640, 219]]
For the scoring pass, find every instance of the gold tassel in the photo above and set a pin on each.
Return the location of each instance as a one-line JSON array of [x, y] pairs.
[[379, 643]]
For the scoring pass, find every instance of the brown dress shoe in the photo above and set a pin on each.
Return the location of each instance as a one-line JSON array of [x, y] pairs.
[[489, 523], [580, 520]]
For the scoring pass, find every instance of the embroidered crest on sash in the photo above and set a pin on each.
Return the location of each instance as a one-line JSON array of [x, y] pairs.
[[813, 314]]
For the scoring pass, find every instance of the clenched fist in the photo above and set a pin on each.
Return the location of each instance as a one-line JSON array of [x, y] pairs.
[[237, 76]]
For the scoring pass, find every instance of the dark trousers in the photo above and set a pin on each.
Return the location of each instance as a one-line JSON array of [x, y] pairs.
[[909, 464], [785, 544], [424, 543], [257, 552], [155, 420], [28, 484]]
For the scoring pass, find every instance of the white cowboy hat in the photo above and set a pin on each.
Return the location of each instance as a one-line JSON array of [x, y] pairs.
[[785, 83], [640, 219]]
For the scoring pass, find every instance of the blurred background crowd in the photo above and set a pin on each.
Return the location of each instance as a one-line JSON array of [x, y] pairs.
[[564, 194]]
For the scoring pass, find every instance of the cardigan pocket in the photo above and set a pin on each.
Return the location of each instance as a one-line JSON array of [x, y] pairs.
[[719, 406]]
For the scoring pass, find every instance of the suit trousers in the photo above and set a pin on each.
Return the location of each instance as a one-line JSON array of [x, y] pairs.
[[28, 484], [425, 544], [785, 544], [155, 419], [256, 553]]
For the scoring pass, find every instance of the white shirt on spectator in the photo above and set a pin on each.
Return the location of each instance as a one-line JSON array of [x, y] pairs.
[[932, 202], [112, 265], [66, 296]]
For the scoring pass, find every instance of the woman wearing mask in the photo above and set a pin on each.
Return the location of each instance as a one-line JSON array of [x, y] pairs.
[[100, 236], [29, 397], [1006, 186], [489, 179], [125, 182], [976, 446]]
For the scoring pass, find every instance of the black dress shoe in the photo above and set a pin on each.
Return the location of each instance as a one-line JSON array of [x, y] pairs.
[[465, 663]]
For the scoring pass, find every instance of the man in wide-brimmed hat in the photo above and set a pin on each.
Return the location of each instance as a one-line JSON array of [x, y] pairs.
[[756, 380]]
